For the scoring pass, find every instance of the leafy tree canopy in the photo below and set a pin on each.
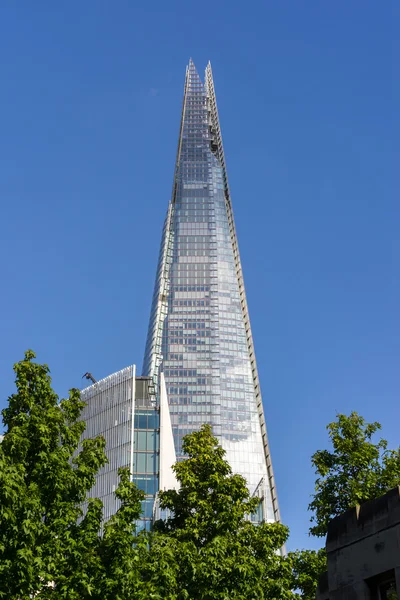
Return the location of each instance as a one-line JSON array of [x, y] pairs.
[[307, 566], [221, 554], [43, 481], [355, 470], [207, 548]]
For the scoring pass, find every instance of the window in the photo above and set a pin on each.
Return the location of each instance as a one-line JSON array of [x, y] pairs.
[[147, 508], [383, 586], [147, 483], [387, 591]]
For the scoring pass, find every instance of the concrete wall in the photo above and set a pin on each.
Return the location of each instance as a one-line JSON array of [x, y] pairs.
[[362, 545]]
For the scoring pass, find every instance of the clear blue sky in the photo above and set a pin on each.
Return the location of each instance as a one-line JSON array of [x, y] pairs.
[[309, 98]]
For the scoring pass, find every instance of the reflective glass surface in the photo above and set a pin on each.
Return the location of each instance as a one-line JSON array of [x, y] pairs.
[[108, 412], [146, 459], [197, 328]]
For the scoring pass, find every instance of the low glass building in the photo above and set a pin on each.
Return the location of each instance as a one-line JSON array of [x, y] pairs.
[[133, 417]]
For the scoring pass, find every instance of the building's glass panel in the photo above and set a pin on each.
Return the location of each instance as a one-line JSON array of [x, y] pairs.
[[197, 327], [146, 459], [108, 412]]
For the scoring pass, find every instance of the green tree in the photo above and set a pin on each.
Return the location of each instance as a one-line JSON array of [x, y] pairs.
[[43, 481], [104, 566], [218, 553], [356, 470], [307, 566], [120, 549]]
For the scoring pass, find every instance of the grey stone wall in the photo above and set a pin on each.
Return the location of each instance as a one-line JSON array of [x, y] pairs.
[[363, 549]]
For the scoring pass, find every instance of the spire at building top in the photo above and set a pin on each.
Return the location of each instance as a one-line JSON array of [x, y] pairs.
[[193, 80]]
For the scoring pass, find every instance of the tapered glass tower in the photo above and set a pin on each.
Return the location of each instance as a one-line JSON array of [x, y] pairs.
[[199, 332]]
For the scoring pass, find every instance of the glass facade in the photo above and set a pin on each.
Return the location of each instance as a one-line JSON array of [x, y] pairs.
[[146, 459], [110, 406], [199, 325]]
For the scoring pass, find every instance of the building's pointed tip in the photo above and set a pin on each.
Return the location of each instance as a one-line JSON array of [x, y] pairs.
[[191, 65], [192, 73]]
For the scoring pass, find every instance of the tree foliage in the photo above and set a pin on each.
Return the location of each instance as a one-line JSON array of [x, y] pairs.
[[356, 470], [42, 482], [307, 566], [208, 548], [48, 548], [221, 554], [106, 565]]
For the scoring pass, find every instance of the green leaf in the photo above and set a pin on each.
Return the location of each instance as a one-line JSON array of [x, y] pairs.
[[354, 471]]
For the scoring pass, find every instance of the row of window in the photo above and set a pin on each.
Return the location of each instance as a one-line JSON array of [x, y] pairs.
[[191, 341], [146, 440], [147, 419], [196, 209], [189, 311], [191, 303], [176, 360], [147, 508], [190, 288], [180, 372], [193, 239], [192, 349], [147, 483], [192, 267], [190, 319], [145, 462], [176, 329]]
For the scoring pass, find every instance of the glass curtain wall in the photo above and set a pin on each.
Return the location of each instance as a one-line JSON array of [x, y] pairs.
[[108, 412], [199, 326], [146, 457]]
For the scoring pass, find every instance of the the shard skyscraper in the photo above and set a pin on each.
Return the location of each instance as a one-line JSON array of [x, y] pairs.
[[199, 332]]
